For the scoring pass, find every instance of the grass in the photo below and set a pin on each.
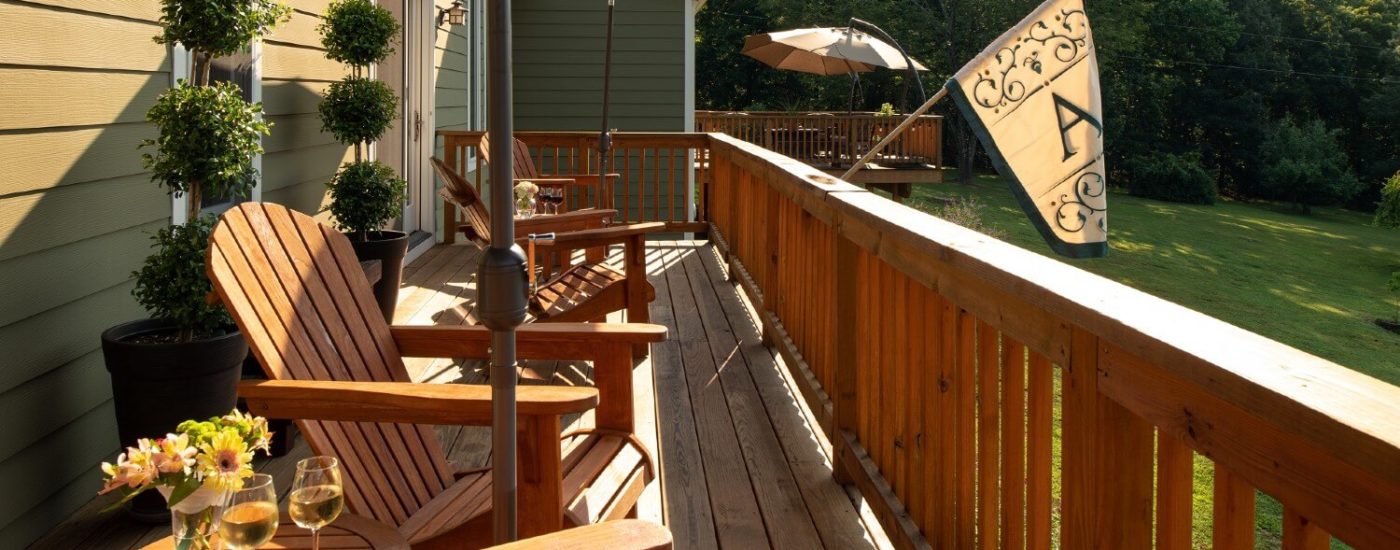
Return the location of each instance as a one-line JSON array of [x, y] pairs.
[[1312, 282]]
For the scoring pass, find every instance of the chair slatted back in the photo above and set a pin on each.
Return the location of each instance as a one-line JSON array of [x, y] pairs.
[[523, 166], [462, 194], [303, 303]]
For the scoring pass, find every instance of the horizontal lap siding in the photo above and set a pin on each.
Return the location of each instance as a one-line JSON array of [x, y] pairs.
[[455, 53], [76, 211], [559, 51]]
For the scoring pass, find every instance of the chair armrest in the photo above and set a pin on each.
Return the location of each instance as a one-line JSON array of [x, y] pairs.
[[568, 221], [602, 236], [556, 341], [404, 402], [549, 180], [623, 534]]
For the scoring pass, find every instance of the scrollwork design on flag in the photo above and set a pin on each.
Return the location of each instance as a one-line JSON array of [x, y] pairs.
[[1045, 50], [1088, 203]]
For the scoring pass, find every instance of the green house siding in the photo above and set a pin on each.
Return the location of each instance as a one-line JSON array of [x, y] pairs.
[[559, 65], [77, 211]]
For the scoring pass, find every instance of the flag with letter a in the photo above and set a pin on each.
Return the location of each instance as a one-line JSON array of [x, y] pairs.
[[1032, 97]]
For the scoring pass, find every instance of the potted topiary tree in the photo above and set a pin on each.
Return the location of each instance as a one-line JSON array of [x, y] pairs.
[[365, 194], [185, 361]]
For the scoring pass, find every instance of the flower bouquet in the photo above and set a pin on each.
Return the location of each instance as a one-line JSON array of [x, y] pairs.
[[525, 198], [195, 469]]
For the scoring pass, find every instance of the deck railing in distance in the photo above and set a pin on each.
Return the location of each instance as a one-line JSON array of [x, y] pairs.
[[657, 172], [937, 359], [831, 139]]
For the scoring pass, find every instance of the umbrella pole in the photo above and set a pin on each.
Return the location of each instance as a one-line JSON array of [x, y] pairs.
[[898, 130], [605, 135], [850, 119], [502, 274], [908, 63]]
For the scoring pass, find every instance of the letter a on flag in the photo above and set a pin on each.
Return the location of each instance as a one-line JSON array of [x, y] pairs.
[[1032, 97]]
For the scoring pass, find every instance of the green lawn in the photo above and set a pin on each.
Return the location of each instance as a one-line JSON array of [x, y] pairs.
[[1313, 282]]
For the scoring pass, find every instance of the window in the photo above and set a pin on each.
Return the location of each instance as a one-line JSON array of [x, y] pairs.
[[245, 70]]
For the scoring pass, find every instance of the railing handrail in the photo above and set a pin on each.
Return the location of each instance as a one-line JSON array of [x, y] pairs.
[[1338, 430], [805, 114]]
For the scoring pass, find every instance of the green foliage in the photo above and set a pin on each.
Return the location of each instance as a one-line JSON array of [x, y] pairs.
[[886, 109], [358, 32], [218, 27], [1304, 165], [172, 283], [357, 110], [366, 195], [1169, 177], [208, 137], [1388, 211], [1394, 286]]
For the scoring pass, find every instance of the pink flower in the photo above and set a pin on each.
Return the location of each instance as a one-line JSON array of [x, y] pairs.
[[134, 468], [173, 454]]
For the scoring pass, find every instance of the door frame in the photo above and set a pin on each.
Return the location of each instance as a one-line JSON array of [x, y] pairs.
[[419, 43]]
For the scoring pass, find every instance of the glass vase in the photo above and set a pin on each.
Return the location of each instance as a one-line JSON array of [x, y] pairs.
[[195, 520]]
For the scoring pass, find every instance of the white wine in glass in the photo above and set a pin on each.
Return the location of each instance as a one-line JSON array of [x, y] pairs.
[[250, 520], [317, 497]]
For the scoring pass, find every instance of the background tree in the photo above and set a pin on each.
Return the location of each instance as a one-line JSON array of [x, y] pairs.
[[1199, 79]]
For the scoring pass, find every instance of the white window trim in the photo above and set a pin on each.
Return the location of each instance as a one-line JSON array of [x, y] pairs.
[[180, 70]]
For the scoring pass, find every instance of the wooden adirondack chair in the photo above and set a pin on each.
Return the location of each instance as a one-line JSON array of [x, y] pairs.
[[524, 169], [333, 364], [583, 292]]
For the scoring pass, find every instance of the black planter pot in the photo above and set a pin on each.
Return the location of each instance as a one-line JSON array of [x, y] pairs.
[[157, 386], [389, 247]]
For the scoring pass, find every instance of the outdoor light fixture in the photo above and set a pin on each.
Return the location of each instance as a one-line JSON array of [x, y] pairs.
[[455, 15]]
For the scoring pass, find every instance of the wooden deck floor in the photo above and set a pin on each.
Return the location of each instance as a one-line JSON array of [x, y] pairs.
[[741, 463]]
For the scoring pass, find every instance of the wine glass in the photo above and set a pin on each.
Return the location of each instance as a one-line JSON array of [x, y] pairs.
[[317, 497], [250, 519]]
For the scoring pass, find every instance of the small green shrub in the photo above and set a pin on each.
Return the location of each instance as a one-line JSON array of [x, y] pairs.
[[172, 283], [218, 27], [1388, 211], [1305, 166], [1170, 177], [1394, 285], [886, 109], [207, 139], [358, 32], [967, 212], [357, 110], [364, 196]]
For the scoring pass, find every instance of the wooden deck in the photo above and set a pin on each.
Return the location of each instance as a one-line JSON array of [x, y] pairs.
[[741, 463]]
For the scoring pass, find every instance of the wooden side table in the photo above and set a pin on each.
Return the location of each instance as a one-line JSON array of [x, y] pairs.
[[348, 532]]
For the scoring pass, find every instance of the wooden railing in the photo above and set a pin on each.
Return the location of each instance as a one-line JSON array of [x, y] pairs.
[[657, 172], [831, 139], [948, 367]]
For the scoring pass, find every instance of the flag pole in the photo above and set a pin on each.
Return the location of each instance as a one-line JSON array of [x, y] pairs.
[[898, 130]]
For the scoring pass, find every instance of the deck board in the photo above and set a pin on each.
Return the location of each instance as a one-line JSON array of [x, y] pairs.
[[743, 463]]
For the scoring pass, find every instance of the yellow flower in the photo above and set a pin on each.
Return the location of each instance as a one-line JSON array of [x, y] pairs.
[[225, 461], [174, 454]]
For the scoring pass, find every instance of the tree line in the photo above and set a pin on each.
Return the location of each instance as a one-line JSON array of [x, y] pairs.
[[1290, 100]]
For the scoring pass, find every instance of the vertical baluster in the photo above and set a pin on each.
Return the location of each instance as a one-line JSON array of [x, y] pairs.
[[1301, 534], [897, 473], [1013, 437], [671, 185], [1174, 482], [947, 439], [1038, 459], [964, 394], [1233, 525], [988, 434]]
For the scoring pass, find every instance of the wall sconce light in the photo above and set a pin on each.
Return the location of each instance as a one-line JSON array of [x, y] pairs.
[[455, 15]]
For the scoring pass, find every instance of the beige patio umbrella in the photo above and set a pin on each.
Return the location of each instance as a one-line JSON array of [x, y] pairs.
[[825, 51]]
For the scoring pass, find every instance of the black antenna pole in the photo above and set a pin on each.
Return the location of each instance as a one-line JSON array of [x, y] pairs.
[[605, 135]]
